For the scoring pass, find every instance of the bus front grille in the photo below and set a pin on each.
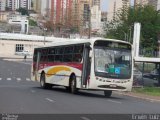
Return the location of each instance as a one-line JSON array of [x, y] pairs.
[[108, 86]]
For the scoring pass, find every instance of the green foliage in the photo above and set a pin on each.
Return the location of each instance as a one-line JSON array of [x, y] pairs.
[[74, 30], [122, 26], [154, 91], [23, 11], [32, 22]]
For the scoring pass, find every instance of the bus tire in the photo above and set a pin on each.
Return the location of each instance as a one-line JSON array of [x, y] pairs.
[[107, 93], [73, 84], [43, 83]]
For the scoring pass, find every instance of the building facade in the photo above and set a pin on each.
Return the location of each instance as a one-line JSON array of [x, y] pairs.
[[114, 6], [140, 2], [11, 43], [2, 5], [96, 2], [154, 3], [95, 19], [37, 6], [16, 4]]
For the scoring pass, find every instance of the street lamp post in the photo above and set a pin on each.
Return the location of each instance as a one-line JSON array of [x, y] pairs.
[[89, 12], [44, 30], [125, 35]]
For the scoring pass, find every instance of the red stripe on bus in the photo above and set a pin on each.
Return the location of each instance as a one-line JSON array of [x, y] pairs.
[[43, 65]]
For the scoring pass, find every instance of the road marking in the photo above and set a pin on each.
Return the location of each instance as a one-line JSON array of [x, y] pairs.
[[85, 118], [50, 100], [0, 79], [33, 91], [115, 101], [9, 79], [27, 79], [25, 63], [18, 79]]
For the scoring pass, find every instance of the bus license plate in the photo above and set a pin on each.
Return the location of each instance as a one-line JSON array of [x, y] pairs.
[[113, 85]]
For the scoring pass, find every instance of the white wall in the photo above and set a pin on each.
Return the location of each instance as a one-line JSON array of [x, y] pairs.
[[10, 46]]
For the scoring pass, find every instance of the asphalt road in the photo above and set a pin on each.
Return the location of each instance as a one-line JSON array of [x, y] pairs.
[[20, 95]]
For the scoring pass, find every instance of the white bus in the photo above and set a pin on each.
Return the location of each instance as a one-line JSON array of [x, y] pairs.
[[88, 64]]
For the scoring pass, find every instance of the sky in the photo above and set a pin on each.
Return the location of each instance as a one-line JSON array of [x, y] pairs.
[[104, 4]]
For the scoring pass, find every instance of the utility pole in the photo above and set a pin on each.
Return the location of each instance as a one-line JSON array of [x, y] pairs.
[[44, 30], [89, 18]]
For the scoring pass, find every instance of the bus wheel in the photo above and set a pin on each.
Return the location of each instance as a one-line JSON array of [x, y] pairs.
[[43, 84], [107, 93], [73, 88]]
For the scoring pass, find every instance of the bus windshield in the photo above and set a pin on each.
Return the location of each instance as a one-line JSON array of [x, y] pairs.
[[113, 62]]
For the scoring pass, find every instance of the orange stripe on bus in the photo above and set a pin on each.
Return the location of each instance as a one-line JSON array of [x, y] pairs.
[[56, 69]]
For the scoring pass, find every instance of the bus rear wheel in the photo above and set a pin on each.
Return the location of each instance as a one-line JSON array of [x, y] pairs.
[[73, 84], [43, 83], [107, 93]]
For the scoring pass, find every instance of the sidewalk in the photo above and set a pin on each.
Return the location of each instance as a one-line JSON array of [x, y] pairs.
[[15, 57]]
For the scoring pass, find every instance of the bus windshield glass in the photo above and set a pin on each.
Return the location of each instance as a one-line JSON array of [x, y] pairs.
[[113, 60]]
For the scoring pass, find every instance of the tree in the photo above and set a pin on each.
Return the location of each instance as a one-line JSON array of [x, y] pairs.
[[122, 26], [32, 22], [49, 25], [23, 11]]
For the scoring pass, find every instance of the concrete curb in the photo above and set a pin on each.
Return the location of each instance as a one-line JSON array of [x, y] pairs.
[[17, 59], [141, 96]]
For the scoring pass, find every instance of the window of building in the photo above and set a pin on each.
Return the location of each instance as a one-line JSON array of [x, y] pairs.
[[19, 47]]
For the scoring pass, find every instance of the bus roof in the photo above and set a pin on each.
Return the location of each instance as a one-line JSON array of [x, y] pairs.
[[66, 41]]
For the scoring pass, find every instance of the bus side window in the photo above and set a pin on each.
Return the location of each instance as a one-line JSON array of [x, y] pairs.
[[44, 55], [51, 54], [78, 49], [59, 50], [67, 58], [68, 54], [68, 50], [50, 58], [58, 58], [35, 55], [77, 58]]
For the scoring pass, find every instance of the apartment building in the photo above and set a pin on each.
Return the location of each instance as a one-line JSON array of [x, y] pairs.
[[37, 6], [45, 7], [15, 4], [114, 6], [140, 2], [154, 3], [25, 4], [97, 3], [2, 5], [95, 18]]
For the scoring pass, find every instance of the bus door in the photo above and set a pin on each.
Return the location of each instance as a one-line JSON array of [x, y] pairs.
[[86, 66], [37, 65]]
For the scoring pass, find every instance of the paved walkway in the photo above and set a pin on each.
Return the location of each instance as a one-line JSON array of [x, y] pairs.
[[15, 57]]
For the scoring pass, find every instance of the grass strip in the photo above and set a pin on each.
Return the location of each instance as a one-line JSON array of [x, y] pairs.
[[154, 91]]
